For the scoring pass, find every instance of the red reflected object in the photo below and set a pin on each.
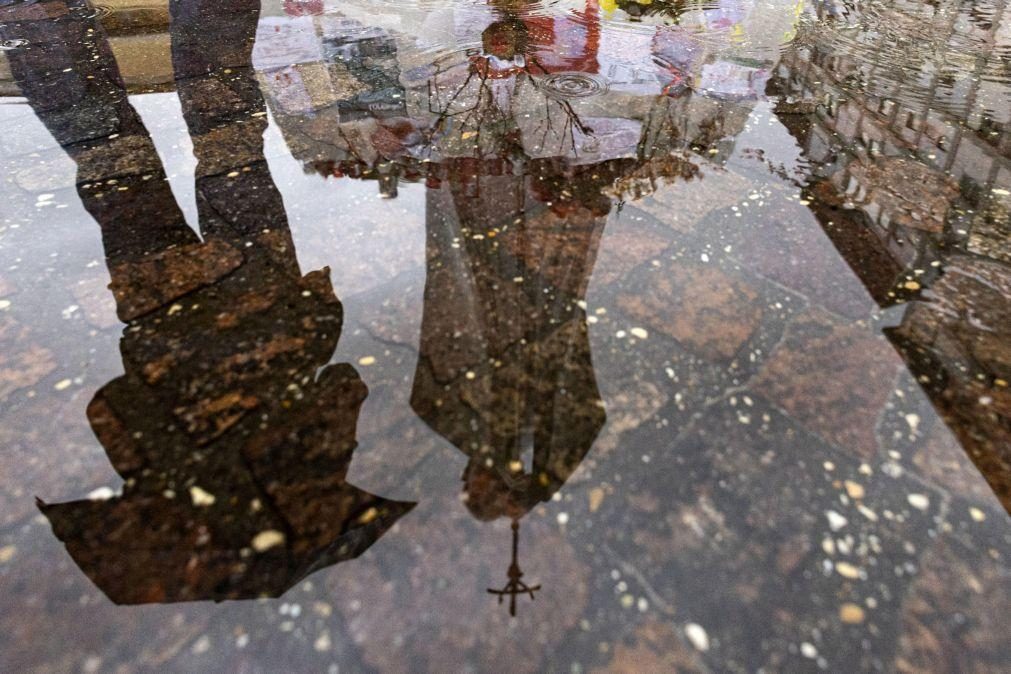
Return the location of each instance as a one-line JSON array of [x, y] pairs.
[[303, 7]]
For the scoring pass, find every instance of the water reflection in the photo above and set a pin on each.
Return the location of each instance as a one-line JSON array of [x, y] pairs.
[[661, 244], [909, 146], [504, 371], [232, 433], [520, 180]]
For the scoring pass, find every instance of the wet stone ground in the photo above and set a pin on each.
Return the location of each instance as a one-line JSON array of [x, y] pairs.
[[491, 335]]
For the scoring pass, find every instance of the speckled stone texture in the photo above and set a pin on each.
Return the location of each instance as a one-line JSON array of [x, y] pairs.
[[335, 339]]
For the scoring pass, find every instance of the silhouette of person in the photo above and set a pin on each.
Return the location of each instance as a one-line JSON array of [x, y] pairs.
[[231, 432]]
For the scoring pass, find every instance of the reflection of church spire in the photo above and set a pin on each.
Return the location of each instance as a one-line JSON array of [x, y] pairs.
[[515, 586], [505, 370]]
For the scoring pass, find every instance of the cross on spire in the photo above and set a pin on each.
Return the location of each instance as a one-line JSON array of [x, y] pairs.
[[515, 586]]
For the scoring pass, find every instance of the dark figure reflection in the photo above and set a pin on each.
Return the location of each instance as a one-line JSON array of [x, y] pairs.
[[231, 432], [505, 371]]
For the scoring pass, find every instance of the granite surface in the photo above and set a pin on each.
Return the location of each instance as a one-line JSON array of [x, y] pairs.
[[494, 336]]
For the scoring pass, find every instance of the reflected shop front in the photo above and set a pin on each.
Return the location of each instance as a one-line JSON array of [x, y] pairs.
[[505, 335]]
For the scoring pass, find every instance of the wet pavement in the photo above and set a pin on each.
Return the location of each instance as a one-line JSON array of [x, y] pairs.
[[489, 335]]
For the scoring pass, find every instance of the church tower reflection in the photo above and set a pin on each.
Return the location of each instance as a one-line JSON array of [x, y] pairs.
[[505, 371]]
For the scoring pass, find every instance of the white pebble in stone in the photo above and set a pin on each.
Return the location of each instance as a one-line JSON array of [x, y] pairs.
[[201, 497], [697, 635], [265, 540], [835, 520]]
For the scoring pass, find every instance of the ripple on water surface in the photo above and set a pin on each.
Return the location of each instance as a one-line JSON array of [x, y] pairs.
[[741, 26], [914, 53]]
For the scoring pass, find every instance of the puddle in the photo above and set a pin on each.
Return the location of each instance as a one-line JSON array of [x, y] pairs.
[[563, 335]]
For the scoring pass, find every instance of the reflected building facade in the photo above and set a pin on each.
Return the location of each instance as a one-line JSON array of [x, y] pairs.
[[911, 179]]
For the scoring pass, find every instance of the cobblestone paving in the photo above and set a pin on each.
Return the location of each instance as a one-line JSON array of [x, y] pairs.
[[498, 337]]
